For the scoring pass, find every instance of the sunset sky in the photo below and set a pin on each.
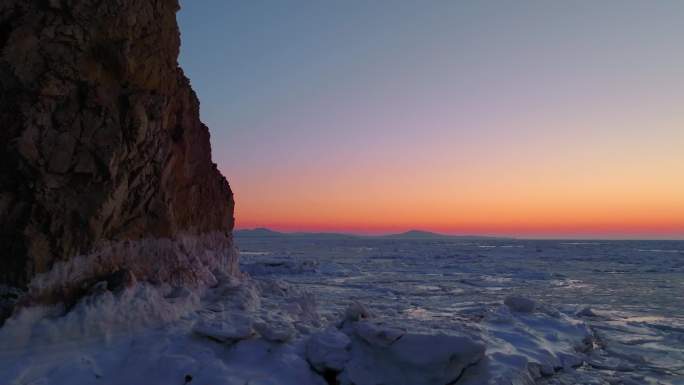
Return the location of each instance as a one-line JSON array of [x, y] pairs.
[[523, 118]]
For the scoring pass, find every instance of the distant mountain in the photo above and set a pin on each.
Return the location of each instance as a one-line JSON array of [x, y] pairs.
[[258, 232], [408, 235], [416, 234], [421, 234], [262, 232]]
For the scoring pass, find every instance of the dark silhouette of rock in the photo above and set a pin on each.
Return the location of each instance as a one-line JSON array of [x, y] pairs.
[[104, 165]]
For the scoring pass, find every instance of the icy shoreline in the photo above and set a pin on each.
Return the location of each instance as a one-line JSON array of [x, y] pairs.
[[266, 331], [298, 320]]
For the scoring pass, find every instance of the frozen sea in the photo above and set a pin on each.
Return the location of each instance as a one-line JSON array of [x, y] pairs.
[[321, 310], [630, 293]]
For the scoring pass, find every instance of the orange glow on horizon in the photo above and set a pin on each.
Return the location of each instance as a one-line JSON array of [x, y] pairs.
[[541, 220], [591, 230], [548, 200], [609, 186]]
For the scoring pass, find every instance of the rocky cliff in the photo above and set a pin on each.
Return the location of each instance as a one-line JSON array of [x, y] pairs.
[[104, 165]]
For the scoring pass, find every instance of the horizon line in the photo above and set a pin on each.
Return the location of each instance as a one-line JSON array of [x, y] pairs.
[[554, 236]]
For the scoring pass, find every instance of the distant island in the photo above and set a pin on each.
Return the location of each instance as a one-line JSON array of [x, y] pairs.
[[262, 232]]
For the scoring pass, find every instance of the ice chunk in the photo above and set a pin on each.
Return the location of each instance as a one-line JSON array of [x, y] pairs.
[[328, 350], [413, 359]]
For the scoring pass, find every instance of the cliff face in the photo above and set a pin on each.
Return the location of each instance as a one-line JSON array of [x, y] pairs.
[[103, 154]]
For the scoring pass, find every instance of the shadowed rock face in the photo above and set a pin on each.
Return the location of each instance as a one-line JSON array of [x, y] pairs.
[[101, 138]]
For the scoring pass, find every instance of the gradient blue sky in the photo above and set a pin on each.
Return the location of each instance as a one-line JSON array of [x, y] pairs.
[[537, 118]]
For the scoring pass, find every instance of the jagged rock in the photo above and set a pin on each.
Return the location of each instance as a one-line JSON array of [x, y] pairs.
[[102, 145]]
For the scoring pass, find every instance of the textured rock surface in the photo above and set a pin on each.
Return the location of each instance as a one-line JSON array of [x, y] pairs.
[[102, 142]]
